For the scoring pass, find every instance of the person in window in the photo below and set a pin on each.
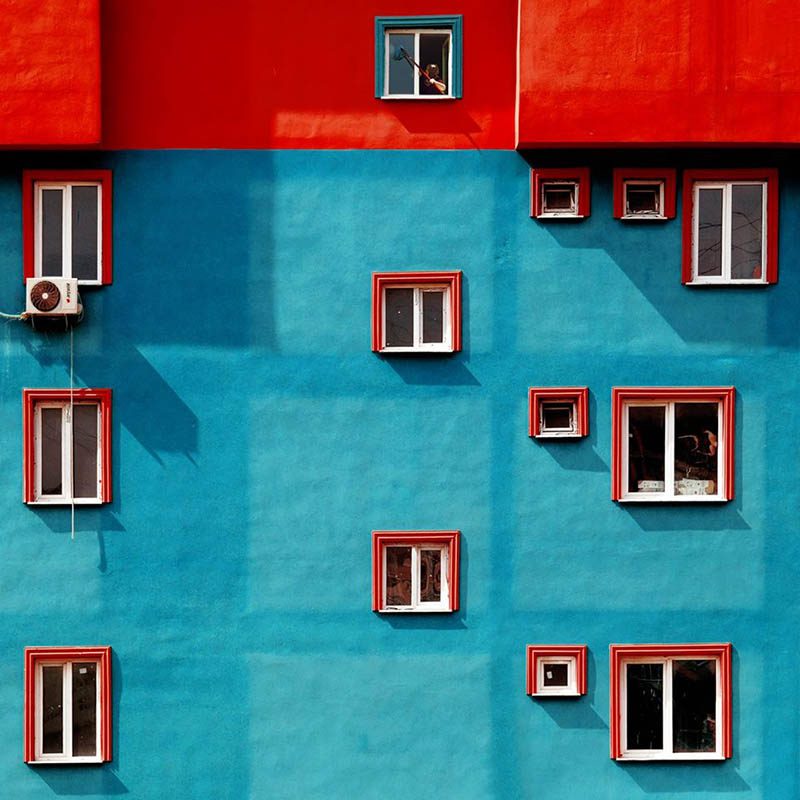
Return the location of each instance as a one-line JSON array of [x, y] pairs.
[[430, 81]]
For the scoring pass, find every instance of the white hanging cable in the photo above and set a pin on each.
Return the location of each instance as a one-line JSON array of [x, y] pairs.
[[3, 315], [71, 431]]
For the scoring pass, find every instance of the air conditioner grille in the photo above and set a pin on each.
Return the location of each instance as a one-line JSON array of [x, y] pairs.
[[45, 296]]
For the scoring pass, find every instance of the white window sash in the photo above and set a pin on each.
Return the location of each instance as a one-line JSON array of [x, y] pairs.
[[417, 312], [443, 604]]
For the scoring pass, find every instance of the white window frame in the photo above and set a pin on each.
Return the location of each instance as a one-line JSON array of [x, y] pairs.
[[417, 605], [643, 214], [574, 211], [571, 687], [66, 228], [446, 345], [727, 207], [668, 495], [66, 453], [546, 432], [387, 55], [667, 754], [65, 757]]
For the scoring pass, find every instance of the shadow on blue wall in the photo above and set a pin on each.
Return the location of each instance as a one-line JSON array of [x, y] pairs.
[[576, 712], [578, 454]]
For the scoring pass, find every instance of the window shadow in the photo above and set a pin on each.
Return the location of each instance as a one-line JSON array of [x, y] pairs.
[[671, 779], [580, 453], [83, 781]]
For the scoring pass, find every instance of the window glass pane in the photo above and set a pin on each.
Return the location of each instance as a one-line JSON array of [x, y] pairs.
[[51, 467], [84, 709], [433, 316], [84, 232], [401, 73], [84, 448], [559, 198], [434, 55], [430, 576], [555, 674], [398, 576], [746, 231], [694, 706], [696, 432], [643, 198], [646, 448], [52, 711], [399, 317], [556, 417], [52, 201], [709, 232], [645, 713]]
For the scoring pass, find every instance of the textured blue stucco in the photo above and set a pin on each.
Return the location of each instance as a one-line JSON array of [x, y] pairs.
[[258, 441]]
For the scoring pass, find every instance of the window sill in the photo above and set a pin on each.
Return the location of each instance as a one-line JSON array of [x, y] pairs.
[[689, 498], [570, 435], [645, 217], [417, 350], [716, 282], [60, 501], [438, 610], [436, 97], [667, 757], [560, 216], [571, 693], [44, 762]]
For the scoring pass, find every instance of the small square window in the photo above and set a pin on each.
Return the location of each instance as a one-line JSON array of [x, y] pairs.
[[416, 312], [560, 193], [67, 225], [415, 571], [671, 702], [418, 58], [644, 194], [560, 412], [556, 670], [67, 446], [67, 705]]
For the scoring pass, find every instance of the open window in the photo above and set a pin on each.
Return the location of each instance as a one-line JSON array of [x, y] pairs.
[[67, 705], [418, 58], [730, 227], [672, 444], [671, 702], [67, 446], [558, 193], [558, 412], [556, 670], [415, 571], [644, 194], [66, 220]]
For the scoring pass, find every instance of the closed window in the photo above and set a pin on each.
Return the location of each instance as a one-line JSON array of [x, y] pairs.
[[644, 194], [560, 193], [558, 412], [556, 670]]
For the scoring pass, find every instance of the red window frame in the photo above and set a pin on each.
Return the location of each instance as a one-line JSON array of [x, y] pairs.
[[537, 651], [667, 176], [384, 280], [30, 397], [34, 655], [579, 395], [29, 179], [382, 539], [619, 653], [692, 176], [726, 395], [581, 175]]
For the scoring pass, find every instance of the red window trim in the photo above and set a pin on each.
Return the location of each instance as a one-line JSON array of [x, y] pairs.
[[691, 176], [716, 394], [541, 175], [569, 394], [33, 655], [383, 280], [380, 540], [30, 397], [30, 177], [620, 652], [668, 176], [535, 651]]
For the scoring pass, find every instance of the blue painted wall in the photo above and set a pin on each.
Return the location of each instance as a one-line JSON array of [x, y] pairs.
[[258, 441]]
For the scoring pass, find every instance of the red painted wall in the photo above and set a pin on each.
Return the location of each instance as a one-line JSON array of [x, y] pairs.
[[671, 72], [251, 73], [49, 72]]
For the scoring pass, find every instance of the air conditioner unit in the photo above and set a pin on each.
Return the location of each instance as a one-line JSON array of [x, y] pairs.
[[52, 297]]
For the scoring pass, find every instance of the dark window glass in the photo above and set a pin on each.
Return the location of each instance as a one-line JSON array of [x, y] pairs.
[[399, 317], [51, 466], [645, 712], [84, 709], [746, 231], [696, 444], [559, 198], [52, 231], [433, 316], [643, 198], [84, 448], [430, 576], [709, 232], [694, 706], [646, 448], [556, 674], [434, 57], [52, 710], [84, 232], [398, 576], [401, 73], [556, 417]]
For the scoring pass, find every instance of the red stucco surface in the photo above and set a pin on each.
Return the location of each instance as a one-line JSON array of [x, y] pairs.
[[49, 72]]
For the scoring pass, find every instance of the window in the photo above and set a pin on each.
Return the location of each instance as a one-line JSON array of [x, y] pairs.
[[67, 705], [416, 312], [415, 571], [670, 702], [418, 58], [644, 194], [66, 221], [556, 670], [557, 413], [67, 446], [672, 444], [730, 227], [560, 193]]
